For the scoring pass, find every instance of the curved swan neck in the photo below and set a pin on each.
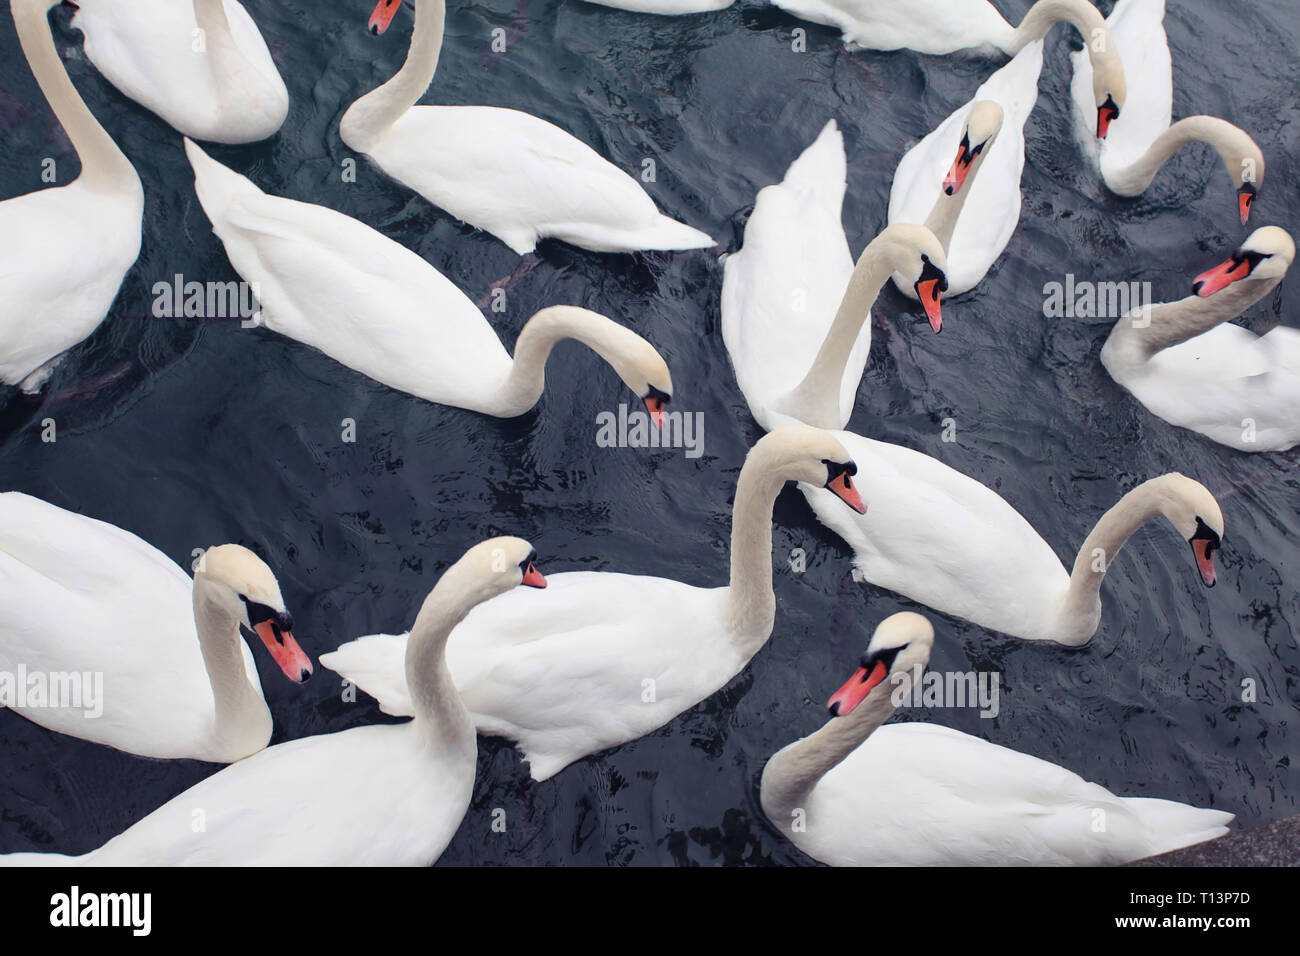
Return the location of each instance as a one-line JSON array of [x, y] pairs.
[[751, 602], [1229, 141], [370, 116], [1081, 607], [102, 163], [816, 399], [439, 711], [1170, 323], [540, 334], [240, 708], [796, 769], [1045, 14]]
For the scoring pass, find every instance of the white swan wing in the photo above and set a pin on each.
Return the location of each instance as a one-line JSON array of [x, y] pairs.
[[84, 597], [368, 302], [781, 290], [376, 663], [369, 796], [1137, 29], [665, 7], [596, 660], [523, 179], [49, 303], [926, 26], [154, 52], [992, 210], [1236, 387], [944, 540], [918, 794]]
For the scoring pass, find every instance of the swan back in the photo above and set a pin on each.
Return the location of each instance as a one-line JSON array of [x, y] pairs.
[[781, 289]]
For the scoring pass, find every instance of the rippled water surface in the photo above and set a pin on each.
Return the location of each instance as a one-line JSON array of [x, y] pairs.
[[191, 434]]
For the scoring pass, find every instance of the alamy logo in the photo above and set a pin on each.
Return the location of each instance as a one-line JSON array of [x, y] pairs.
[[59, 690], [179, 299], [131, 910], [637, 430], [950, 689], [1084, 299]]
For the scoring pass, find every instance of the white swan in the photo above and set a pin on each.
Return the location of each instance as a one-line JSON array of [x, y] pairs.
[[975, 216], [794, 306], [389, 795], [611, 657], [82, 597], [506, 172], [1140, 143], [368, 302], [64, 250], [950, 543], [942, 26], [855, 793], [200, 65], [939, 180], [1186, 363]]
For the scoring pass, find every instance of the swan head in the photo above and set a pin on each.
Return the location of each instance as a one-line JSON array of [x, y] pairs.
[[1192, 510], [981, 129], [644, 370], [382, 18], [1266, 255], [1108, 85], [255, 594], [798, 452], [917, 255], [493, 567], [901, 643], [1245, 162]]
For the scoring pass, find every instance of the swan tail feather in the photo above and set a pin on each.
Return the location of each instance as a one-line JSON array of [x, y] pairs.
[[821, 170], [217, 185], [376, 664], [1171, 825], [663, 234]]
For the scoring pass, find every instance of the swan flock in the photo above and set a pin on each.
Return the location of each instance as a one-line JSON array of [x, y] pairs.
[[566, 666]]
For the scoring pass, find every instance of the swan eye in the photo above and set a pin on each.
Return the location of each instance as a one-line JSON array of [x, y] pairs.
[[886, 657], [1207, 534], [281, 622]]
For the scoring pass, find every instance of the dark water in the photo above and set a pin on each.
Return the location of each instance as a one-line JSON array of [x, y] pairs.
[[191, 434]]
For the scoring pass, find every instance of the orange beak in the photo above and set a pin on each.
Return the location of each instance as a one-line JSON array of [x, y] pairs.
[[533, 578], [1245, 199], [1107, 113], [957, 173], [1204, 552], [961, 166], [655, 406], [285, 651], [1220, 277], [842, 487], [856, 690], [927, 290], [382, 18]]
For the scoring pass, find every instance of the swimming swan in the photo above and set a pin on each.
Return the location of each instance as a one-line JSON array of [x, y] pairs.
[[50, 301], [567, 677], [855, 793], [80, 596], [501, 170], [368, 302], [1188, 364]]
